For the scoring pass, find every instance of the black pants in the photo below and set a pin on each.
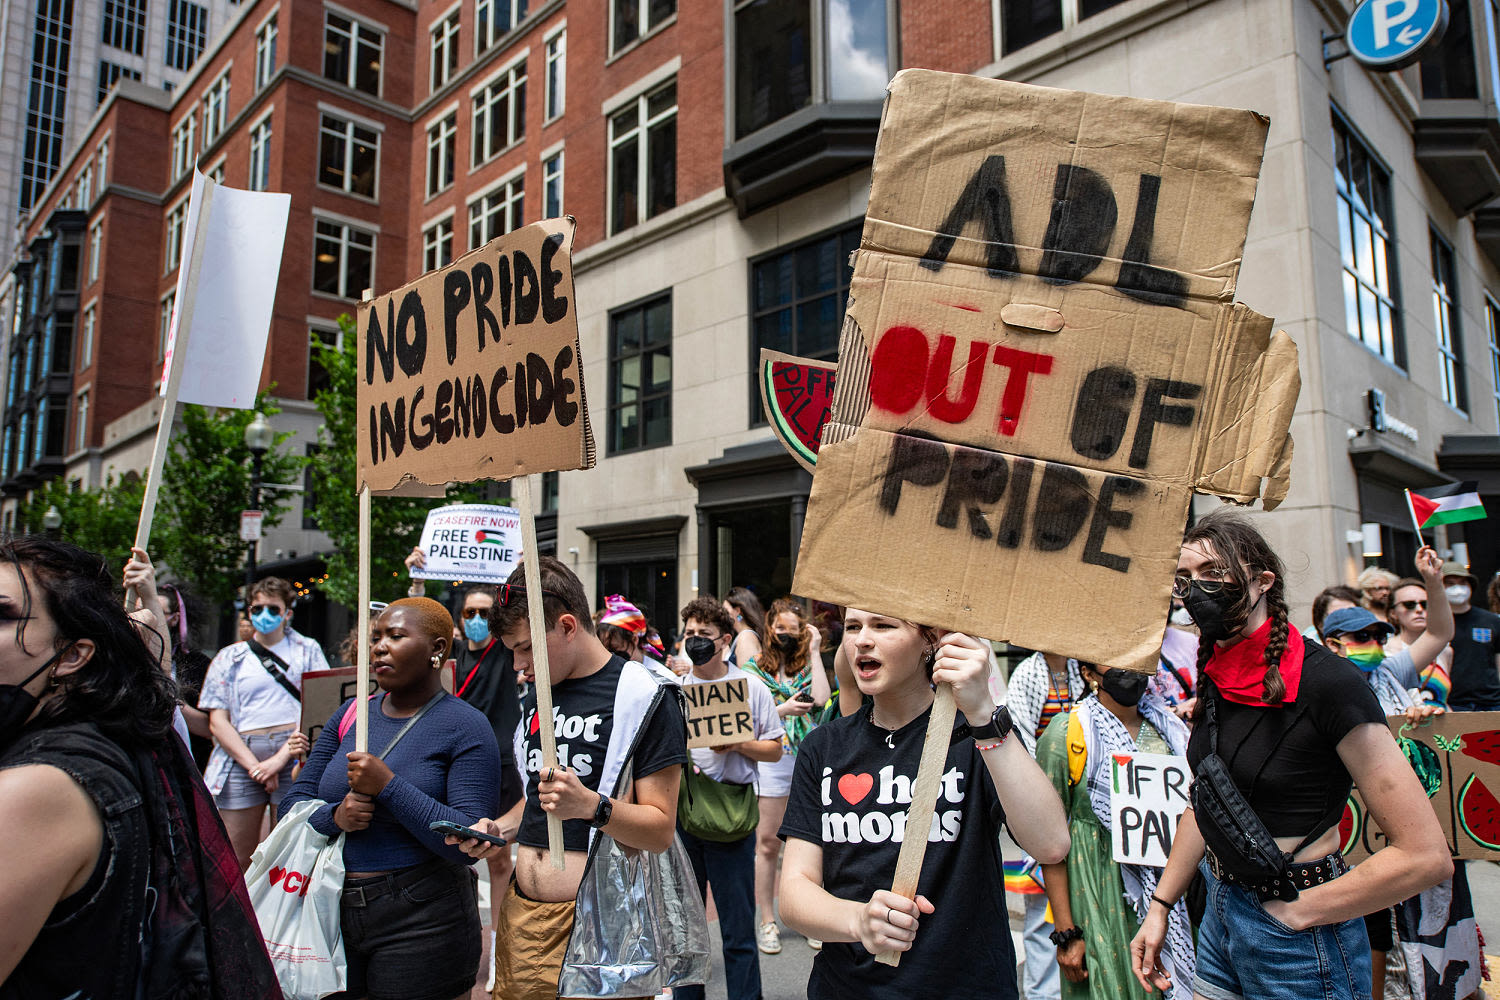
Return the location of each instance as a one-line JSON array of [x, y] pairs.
[[412, 934]]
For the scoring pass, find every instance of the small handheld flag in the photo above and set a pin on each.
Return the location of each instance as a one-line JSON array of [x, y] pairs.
[[1445, 505]]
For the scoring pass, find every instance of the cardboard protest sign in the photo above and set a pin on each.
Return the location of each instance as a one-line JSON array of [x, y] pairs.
[[472, 371], [1456, 757], [470, 541], [323, 691], [797, 396], [718, 713], [1148, 793], [1042, 364]]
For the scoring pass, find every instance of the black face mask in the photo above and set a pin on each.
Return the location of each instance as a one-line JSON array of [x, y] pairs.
[[17, 703], [787, 644], [1210, 611], [1124, 686], [699, 649]]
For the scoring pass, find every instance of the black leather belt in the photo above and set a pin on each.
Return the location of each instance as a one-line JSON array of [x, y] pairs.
[[1298, 876], [359, 891]]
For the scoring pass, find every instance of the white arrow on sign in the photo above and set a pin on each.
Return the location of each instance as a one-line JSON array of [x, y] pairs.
[[1408, 35]]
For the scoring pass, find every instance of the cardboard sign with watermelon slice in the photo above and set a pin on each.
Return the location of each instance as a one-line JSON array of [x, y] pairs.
[[797, 396], [1457, 760]]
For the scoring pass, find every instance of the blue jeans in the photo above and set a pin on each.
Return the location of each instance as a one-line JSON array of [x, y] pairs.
[[1243, 951], [1042, 970], [730, 868]]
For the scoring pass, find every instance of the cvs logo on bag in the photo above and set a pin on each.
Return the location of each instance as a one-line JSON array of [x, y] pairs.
[[293, 883]]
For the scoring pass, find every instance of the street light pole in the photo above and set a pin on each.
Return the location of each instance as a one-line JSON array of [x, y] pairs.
[[52, 522], [258, 438]]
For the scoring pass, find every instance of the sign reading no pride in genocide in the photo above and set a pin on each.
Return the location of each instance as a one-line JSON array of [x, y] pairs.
[[718, 713], [476, 542], [1148, 794], [472, 371]]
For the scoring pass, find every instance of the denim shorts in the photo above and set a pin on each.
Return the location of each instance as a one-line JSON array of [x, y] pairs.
[[241, 791], [1243, 951], [412, 934]]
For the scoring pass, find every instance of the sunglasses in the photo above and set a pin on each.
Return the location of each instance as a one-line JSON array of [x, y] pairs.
[[275, 609], [1412, 605], [1366, 635], [473, 612], [513, 593]]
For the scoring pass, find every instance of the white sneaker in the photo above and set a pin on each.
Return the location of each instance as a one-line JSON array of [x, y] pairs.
[[489, 981], [815, 944], [769, 939]]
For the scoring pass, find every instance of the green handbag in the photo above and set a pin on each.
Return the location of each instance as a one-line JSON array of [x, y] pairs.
[[721, 811]]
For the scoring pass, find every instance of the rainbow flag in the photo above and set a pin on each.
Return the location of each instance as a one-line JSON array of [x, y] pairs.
[[1435, 680], [1019, 880], [1445, 504]]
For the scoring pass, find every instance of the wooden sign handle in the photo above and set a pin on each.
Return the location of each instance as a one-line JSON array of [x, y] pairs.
[[362, 661], [521, 487], [924, 794]]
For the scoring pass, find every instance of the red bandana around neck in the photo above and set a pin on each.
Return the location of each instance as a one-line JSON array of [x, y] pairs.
[[1239, 671]]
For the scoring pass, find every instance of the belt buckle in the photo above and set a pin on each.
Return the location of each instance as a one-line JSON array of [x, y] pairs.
[[356, 897]]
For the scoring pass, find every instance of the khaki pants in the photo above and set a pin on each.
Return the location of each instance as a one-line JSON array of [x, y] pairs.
[[530, 943]]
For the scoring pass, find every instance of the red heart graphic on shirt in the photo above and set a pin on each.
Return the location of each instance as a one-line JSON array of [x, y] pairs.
[[276, 875], [536, 722], [855, 787]]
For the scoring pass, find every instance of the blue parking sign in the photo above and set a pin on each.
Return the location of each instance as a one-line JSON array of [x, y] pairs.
[[1389, 34]]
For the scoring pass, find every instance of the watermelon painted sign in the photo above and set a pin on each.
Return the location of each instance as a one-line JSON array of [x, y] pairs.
[[797, 396], [476, 542], [1456, 758]]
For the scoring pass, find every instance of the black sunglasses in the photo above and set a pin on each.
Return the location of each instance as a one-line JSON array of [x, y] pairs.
[[1364, 635], [256, 609], [511, 593], [1412, 605]]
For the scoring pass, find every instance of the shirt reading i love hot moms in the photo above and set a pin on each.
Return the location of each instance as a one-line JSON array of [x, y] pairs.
[[849, 795], [583, 713]]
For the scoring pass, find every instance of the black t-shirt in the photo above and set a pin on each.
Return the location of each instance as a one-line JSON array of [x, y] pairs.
[[583, 712], [1476, 639], [1285, 760], [849, 795], [491, 688]]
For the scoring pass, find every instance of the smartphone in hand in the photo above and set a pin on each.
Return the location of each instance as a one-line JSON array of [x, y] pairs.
[[451, 829]]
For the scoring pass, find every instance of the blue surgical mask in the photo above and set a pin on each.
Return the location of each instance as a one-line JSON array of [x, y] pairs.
[[266, 622], [477, 628]]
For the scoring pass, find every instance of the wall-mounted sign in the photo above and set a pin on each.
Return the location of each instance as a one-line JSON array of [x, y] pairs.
[[1390, 34], [1383, 420]]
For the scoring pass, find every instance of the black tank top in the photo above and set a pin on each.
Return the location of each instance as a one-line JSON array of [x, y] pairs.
[[90, 946]]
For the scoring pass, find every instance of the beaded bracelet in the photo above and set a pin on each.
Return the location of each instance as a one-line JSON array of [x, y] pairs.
[[982, 747]]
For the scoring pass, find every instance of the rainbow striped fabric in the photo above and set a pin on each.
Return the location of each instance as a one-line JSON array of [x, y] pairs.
[[1435, 680], [1018, 879]]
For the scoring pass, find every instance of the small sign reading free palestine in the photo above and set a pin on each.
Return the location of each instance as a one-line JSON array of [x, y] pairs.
[[1148, 793], [476, 542]]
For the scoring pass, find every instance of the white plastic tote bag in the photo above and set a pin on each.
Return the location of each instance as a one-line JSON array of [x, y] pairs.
[[296, 882]]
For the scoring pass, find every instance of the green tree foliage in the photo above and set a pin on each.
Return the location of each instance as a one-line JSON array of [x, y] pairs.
[[101, 520], [205, 485], [395, 522]]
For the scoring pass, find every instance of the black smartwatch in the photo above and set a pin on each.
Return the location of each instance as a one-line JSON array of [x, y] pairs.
[[996, 730], [602, 814], [1061, 939]]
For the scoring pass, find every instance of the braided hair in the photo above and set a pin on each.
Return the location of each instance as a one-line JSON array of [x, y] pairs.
[[1242, 552]]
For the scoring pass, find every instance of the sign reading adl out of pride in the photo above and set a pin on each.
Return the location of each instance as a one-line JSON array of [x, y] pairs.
[[472, 371], [1042, 362]]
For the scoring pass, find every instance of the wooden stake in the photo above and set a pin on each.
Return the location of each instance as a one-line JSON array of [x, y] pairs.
[[362, 661], [521, 487], [924, 794]]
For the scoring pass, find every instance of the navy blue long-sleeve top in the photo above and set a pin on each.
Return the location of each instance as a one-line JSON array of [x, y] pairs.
[[446, 768]]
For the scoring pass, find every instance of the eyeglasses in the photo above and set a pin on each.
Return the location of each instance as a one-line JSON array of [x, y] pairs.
[[1364, 635], [474, 612], [1211, 582], [510, 593], [275, 609], [1412, 605]]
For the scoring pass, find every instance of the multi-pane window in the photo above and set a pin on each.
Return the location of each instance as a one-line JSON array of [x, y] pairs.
[[1367, 244], [125, 26], [552, 186], [110, 72], [265, 52], [797, 297], [557, 74], [104, 162], [86, 344], [184, 152], [1025, 21], [500, 113], [215, 173], [437, 244], [260, 155], [348, 155], [81, 422], [176, 219], [343, 259], [187, 32], [86, 186], [1492, 327], [442, 147], [498, 212], [317, 376], [630, 19], [352, 53], [643, 158], [52, 42], [493, 18], [96, 246], [215, 109], [444, 50], [640, 376], [164, 325], [1450, 341]]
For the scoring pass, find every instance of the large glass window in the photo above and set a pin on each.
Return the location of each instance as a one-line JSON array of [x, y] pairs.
[[630, 19], [184, 150], [176, 218], [317, 376], [643, 158], [1025, 21], [187, 32], [352, 53], [498, 212], [86, 346], [444, 51], [437, 245], [640, 376], [81, 422], [1492, 328], [797, 300], [215, 109], [442, 147], [348, 156], [1367, 243], [52, 40], [164, 325], [557, 74], [493, 18], [125, 26], [96, 247], [343, 259], [110, 72], [552, 186], [500, 113], [1450, 341], [260, 155], [1449, 73], [265, 52]]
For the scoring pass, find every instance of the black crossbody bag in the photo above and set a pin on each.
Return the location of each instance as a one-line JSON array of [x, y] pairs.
[[273, 665]]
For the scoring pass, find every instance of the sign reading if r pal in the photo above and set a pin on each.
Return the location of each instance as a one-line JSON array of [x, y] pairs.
[[1391, 34]]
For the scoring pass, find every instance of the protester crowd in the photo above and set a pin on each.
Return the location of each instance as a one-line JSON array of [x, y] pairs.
[[140, 777]]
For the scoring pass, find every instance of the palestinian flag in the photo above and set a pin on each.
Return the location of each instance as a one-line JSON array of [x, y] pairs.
[[1445, 504]]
